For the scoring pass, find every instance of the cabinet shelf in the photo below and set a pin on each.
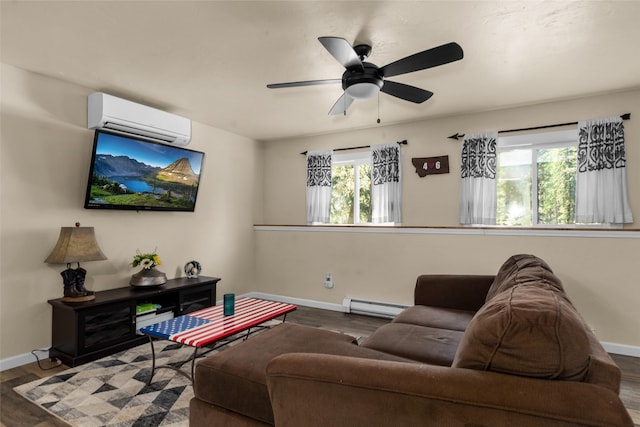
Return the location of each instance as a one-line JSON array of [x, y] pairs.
[[157, 311], [83, 332]]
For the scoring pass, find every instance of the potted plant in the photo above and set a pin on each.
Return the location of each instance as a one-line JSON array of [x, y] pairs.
[[149, 275]]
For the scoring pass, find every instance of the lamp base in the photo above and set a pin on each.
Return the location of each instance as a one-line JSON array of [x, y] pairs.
[[74, 290], [78, 299]]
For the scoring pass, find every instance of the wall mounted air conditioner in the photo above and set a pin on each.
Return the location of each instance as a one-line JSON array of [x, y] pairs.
[[126, 117]]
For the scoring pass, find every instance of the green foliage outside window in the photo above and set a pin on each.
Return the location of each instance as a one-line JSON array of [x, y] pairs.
[[343, 194], [556, 187], [365, 193]]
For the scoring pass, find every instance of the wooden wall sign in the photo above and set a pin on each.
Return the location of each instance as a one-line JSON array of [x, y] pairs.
[[431, 165]]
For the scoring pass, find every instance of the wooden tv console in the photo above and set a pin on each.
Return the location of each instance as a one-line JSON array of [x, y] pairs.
[[82, 332]]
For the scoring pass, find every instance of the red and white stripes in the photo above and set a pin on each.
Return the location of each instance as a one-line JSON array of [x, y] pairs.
[[249, 312]]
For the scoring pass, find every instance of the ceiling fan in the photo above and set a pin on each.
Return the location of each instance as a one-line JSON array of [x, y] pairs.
[[363, 80]]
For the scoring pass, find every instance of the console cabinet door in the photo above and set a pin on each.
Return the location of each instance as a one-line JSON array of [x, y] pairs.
[[105, 326], [196, 299]]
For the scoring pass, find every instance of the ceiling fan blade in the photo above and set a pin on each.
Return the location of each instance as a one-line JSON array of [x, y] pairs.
[[340, 49], [341, 105], [303, 83], [422, 60], [406, 92]]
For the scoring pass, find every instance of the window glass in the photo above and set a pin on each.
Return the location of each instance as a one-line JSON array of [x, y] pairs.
[[537, 179], [556, 185], [351, 189], [342, 194], [514, 188], [365, 193]]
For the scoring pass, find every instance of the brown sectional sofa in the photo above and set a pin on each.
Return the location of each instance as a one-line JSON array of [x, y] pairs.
[[500, 350]]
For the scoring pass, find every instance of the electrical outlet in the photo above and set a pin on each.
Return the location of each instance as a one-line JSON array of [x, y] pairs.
[[328, 281]]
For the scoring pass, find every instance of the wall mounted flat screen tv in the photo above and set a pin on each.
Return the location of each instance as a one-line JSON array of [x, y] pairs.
[[136, 174]]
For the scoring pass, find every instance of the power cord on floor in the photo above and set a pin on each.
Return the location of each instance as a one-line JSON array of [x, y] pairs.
[[54, 360]]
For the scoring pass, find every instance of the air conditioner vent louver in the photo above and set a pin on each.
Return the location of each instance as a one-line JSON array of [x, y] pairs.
[[126, 117], [138, 132]]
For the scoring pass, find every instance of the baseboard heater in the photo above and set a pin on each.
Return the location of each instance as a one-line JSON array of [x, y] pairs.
[[372, 308]]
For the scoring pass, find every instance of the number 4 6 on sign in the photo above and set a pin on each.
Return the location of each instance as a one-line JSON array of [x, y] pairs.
[[430, 165]]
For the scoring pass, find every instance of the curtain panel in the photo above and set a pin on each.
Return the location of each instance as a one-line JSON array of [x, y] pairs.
[[478, 179], [601, 179], [318, 186], [386, 183]]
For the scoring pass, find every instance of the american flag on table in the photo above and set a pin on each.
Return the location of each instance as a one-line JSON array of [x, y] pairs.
[[209, 325]]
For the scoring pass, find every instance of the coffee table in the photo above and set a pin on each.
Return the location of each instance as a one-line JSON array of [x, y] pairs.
[[209, 326]]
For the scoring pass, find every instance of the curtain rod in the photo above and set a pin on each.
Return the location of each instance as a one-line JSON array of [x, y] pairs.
[[626, 116], [403, 142]]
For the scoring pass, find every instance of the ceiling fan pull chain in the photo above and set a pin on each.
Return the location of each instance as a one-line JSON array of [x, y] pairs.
[[378, 108]]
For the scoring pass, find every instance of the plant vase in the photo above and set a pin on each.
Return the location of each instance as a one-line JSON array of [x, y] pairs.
[[148, 277]]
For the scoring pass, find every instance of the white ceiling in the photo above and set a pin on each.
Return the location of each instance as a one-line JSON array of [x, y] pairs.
[[211, 60]]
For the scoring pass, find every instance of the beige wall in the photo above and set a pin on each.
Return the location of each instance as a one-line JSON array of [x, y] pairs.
[[45, 155], [433, 200], [44, 160], [601, 274]]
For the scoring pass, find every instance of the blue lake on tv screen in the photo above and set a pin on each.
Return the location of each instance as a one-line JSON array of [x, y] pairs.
[[138, 186]]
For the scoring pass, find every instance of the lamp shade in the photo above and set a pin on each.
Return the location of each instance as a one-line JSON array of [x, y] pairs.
[[75, 244]]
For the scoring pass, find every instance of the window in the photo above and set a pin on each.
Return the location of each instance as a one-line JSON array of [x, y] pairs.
[[537, 179], [351, 188]]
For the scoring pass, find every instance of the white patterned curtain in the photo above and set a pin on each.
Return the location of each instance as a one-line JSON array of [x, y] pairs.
[[386, 183], [318, 186], [601, 180], [478, 173]]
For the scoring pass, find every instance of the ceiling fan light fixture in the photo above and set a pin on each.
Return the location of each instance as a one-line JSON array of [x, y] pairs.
[[363, 90], [363, 80]]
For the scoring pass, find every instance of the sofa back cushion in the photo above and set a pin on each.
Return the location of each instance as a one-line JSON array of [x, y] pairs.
[[529, 330], [521, 269]]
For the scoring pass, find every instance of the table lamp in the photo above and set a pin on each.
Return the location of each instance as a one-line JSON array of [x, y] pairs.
[[75, 244]]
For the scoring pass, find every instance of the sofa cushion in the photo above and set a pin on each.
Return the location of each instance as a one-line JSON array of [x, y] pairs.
[[235, 379], [435, 317], [424, 344], [530, 331], [520, 269]]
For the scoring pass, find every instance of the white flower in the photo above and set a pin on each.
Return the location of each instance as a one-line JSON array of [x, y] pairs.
[[146, 263]]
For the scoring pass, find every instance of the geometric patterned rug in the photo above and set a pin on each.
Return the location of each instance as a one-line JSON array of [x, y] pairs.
[[112, 391]]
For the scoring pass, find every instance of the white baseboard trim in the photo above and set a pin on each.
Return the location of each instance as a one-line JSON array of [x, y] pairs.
[[298, 301], [26, 358], [15, 361], [622, 349]]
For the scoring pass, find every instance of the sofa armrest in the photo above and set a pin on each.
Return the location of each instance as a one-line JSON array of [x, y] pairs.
[[461, 292], [326, 390]]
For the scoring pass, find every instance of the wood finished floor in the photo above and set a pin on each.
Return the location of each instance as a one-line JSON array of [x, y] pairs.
[[15, 411]]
